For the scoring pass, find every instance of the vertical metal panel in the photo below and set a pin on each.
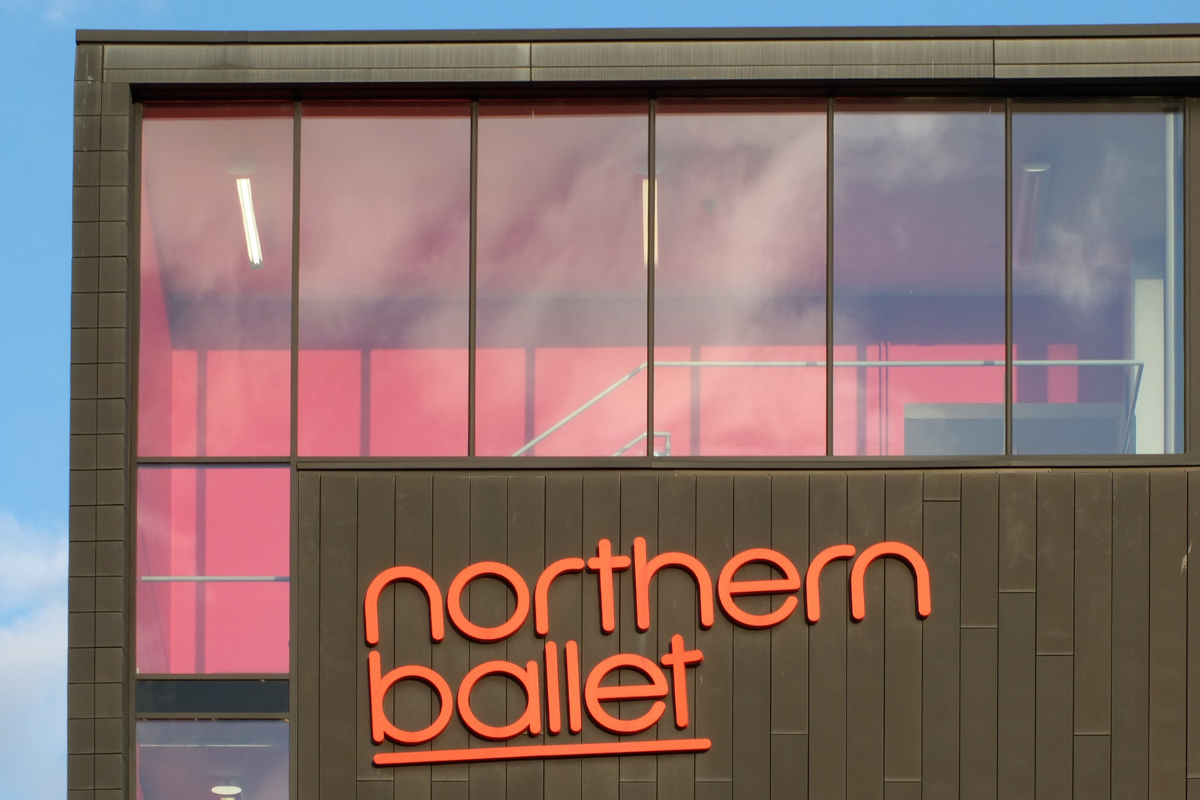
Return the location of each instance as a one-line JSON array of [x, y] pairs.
[[902, 790], [714, 695], [1131, 635], [864, 644], [979, 609], [977, 724], [639, 517], [1091, 767], [526, 554], [637, 790], [373, 790], [1015, 673], [490, 603], [1055, 626], [376, 552], [1168, 634], [677, 615], [1018, 531], [1055, 742], [601, 520], [308, 638], [1055, 563], [827, 642], [789, 765], [564, 539], [902, 637], [940, 656], [339, 511], [714, 790], [752, 648], [789, 641], [1093, 605], [451, 553], [1193, 633], [413, 547], [451, 790]]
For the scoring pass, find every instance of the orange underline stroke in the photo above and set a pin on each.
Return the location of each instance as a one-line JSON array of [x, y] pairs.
[[543, 751]]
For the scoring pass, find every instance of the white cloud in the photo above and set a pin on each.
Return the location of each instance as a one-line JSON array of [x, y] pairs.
[[33, 660]]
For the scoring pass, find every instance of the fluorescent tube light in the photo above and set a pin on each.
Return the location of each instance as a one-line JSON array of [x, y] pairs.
[[253, 245], [646, 223]]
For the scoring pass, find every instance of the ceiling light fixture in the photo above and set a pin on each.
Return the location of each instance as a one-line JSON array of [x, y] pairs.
[[227, 791], [253, 245], [1035, 167]]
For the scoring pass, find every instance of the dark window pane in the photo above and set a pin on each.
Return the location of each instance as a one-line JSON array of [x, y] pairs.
[[1097, 279], [385, 197], [216, 276], [740, 279], [561, 279], [212, 696], [188, 759], [918, 279], [213, 561]]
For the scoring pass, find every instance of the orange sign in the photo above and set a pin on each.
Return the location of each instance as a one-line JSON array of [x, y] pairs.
[[593, 693]]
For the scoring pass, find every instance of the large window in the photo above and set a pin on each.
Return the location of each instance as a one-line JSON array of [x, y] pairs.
[[1097, 278], [918, 278], [846, 277], [384, 226]]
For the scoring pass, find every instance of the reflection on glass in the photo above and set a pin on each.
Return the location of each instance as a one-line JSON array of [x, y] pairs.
[[385, 194], [561, 340], [212, 759], [213, 569], [918, 279], [1097, 275], [740, 280], [214, 369]]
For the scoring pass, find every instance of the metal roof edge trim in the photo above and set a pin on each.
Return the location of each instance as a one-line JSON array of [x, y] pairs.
[[90, 36]]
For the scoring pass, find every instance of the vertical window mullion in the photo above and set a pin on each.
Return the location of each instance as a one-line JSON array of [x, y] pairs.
[[472, 238], [295, 355], [1008, 280], [829, 278], [651, 267]]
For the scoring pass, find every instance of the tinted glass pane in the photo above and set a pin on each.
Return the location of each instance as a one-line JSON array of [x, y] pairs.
[[216, 275], [188, 759], [385, 200], [561, 279], [213, 561], [740, 280], [918, 279], [1097, 277]]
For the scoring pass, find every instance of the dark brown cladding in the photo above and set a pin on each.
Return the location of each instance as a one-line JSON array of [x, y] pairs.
[[889, 705]]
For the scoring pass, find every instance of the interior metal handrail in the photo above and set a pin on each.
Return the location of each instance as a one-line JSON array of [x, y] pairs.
[[1024, 362]]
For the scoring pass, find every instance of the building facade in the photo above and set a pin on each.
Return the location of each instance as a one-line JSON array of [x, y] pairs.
[[635, 414]]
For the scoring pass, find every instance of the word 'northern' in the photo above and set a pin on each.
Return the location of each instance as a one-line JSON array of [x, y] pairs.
[[593, 693]]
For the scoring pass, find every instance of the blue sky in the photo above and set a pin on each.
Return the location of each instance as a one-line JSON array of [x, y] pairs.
[[36, 58]]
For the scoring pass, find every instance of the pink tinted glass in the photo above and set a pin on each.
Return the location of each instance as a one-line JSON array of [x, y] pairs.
[[918, 279], [216, 275], [385, 207], [213, 555], [739, 299], [561, 279]]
